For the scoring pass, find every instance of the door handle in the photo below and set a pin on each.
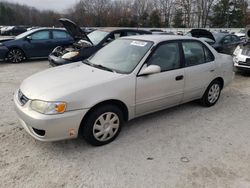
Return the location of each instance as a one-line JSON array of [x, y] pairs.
[[212, 70], [177, 78]]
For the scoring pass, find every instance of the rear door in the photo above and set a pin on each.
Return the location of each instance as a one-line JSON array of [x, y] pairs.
[[199, 71], [61, 38], [164, 89], [227, 45]]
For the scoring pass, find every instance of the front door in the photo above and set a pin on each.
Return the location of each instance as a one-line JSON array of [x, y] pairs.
[[164, 89], [40, 44]]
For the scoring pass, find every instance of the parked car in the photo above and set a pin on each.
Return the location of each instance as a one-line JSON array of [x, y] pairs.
[[128, 78], [86, 45], [36, 43], [221, 42], [14, 30], [241, 55], [241, 34], [3, 29], [163, 33]]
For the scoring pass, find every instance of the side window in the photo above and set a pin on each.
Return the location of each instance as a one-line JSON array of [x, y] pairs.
[[167, 56], [41, 35], [208, 54], [235, 39], [60, 35], [194, 53], [131, 33], [227, 40]]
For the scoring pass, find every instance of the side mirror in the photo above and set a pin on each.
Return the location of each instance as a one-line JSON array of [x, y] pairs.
[[29, 38], [151, 69]]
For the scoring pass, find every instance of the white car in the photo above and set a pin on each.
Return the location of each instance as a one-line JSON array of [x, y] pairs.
[[241, 57], [128, 78]]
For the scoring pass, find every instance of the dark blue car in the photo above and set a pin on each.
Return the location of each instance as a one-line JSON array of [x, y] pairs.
[[37, 43]]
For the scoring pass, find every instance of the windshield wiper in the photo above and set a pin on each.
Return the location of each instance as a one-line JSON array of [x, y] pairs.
[[103, 67], [87, 62]]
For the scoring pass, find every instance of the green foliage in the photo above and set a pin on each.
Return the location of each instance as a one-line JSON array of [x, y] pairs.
[[229, 13], [155, 19], [178, 19]]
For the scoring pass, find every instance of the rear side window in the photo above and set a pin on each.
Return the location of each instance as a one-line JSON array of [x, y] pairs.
[[235, 39], [131, 33], [227, 40], [41, 35], [60, 35], [196, 53]]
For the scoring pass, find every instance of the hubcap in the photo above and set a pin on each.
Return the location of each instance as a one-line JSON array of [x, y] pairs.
[[15, 56], [214, 93], [106, 126]]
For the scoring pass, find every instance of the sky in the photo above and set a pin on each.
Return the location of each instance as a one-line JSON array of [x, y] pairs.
[[57, 5]]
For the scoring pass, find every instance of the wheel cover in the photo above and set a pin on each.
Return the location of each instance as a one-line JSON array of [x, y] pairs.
[[106, 126], [214, 93], [15, 56]]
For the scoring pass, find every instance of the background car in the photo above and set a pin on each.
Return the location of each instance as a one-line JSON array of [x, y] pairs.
[[14, 30], [241, 55], [226, 43], [86, 44], [36, 43], [130, 77], [221, 42]]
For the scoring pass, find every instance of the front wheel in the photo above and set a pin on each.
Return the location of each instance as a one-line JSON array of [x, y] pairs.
[[212, 94], [15, 55], [103, 125]]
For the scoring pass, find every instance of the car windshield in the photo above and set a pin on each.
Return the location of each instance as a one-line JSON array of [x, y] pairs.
[[24, 34], [97, 36], [121, 55]]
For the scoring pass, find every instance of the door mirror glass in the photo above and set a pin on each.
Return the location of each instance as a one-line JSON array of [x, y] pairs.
[[151, 69]]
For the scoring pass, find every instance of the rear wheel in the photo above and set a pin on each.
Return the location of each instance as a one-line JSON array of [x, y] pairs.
[[15, 55], [103, 125], [212, 94]]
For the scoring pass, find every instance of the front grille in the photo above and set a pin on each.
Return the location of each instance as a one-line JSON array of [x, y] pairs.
[[22, 98], [245, 51], [244, 63]]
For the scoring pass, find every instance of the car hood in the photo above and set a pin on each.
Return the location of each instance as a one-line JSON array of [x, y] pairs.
[[59, 82], [74, 30], [202, 33], [6, 39]]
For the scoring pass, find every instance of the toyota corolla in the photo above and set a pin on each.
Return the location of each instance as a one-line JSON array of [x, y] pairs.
[[128, 78]]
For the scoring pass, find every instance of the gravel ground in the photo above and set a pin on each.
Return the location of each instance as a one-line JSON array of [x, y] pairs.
[[186, 146]]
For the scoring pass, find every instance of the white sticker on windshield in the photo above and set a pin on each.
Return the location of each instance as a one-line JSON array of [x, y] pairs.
[[139, 43]]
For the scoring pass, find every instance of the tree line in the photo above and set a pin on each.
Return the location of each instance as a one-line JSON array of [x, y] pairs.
[[135, 13]]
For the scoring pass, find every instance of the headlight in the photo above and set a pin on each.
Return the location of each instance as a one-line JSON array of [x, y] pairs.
[[48, 107], [70, 55], [237, 51]]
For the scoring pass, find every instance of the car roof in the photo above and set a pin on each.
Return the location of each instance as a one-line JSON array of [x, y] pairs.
[[110, 29], [47, 28], [160, 38]]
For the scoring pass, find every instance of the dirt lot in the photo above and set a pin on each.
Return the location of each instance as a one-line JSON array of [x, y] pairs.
[[186, 146]]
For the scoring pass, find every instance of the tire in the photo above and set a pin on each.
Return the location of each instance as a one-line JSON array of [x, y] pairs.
[[212, 94], [98, 129], [15, 55]]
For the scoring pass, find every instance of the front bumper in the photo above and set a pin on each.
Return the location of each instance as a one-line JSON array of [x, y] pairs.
[[55, 127], [3, 52], [241, 62], [57, 61]]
